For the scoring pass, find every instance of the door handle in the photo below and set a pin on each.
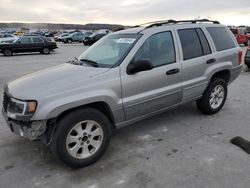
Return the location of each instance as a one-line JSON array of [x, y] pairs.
[[211, 61], [172, 71]]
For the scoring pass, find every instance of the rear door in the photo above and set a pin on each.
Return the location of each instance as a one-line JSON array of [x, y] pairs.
[[37, 43], [196, 58], [154, 90]]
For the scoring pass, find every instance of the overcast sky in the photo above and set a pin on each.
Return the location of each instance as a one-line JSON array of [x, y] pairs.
[[126, 12]]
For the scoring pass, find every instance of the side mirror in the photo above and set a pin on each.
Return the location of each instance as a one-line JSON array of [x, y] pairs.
[[139, 66]]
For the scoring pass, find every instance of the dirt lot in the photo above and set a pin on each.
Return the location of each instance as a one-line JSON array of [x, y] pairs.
[[179, 148]]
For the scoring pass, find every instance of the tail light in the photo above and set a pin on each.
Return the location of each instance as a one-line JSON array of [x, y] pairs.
[[240, 57]]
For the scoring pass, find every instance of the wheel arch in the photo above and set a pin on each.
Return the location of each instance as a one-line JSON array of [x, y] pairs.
[[223, 74], [100, 105]]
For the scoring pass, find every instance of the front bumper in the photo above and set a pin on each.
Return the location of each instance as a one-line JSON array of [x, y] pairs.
[[29, 129]]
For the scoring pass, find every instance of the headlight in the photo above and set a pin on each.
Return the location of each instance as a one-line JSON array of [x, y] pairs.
[[21, 108]]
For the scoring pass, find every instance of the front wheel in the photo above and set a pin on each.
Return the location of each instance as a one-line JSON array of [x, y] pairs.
[[214, 97], [82, 137], [7, 52]]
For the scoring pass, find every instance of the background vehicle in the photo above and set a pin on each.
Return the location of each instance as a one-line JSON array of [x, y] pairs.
[[19, 33], [88, 41], [7, 38], [73, 37], [241, 36], [28, 43], [86, 34], [50, 34], [127, 76], [59, 38], [247, 58]]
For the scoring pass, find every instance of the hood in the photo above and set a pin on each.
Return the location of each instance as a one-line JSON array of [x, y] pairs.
[[52, 81]]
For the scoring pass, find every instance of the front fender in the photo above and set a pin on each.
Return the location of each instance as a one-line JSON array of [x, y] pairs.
[[55, 107]]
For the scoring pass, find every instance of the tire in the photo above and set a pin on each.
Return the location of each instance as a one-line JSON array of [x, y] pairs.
[[248, 66], [214, 97], [7, 52], [45, 51], [246, 44], [69, 41], [70, 142]]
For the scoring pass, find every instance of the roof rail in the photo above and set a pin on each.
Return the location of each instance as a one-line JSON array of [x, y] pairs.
[[164, 22]]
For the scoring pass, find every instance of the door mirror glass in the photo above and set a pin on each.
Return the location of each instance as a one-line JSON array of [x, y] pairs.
[[139, 66]]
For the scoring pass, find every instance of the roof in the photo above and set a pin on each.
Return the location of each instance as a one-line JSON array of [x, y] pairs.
[[167, 23]]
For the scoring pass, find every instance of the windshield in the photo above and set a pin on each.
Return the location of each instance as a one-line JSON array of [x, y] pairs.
[[110, 50], [15, 41]]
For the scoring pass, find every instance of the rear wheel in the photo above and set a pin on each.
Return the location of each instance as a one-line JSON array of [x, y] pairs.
[[214, 97], [82, 137], [7, 52], [45, 51]]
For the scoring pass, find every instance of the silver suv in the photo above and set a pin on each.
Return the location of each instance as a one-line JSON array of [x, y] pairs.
[[125, 77]]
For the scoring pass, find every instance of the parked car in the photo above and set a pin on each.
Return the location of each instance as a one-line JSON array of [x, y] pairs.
[[7, 38], [241, 35], [128, 76], [88, 41], [28, 43], [247, 58], [86, 34], [59, 38], [50, 34], [73, 37], [19, 33]]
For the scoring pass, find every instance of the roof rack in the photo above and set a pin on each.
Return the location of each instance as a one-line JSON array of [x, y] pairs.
[[164, 22]]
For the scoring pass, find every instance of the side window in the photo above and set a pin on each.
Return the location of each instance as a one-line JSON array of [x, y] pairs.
[[204, 43], [37, 40], [190, 42], [158, 49], [221, 37], [25, 40]]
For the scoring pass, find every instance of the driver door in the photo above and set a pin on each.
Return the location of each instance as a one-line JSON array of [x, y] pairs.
[[153, 90], [23, 45]]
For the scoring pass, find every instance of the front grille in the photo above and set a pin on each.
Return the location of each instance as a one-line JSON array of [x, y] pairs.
[[6, 100]]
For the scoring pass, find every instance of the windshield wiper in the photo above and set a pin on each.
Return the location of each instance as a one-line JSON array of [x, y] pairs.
[[74, 62], [93, 63]]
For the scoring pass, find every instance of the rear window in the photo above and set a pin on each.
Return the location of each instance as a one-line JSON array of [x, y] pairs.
[[37, 40], [194, 43], [221, 38]]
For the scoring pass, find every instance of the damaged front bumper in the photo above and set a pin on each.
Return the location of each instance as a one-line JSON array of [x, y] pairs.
[[29, 129]]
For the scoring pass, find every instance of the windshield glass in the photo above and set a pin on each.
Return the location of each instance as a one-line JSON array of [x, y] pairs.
[[110, 50]]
